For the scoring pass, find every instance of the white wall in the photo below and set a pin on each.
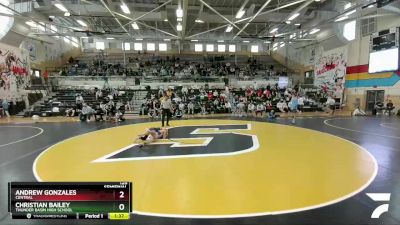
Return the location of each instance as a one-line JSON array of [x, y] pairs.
[[358, 49]]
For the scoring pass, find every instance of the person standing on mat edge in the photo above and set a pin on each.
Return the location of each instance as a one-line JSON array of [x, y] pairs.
[[166, 106]]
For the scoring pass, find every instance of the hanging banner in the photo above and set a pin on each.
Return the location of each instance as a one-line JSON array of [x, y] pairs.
[[14, 72], [330, 71]]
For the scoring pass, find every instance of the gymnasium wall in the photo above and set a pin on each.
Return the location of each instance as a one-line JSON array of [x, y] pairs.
[[358, 80], [48, 55]]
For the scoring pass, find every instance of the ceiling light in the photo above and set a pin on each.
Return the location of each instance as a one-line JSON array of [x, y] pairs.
[[240, 14], [282, 45], [53, 28], [179, 12], [220, 41], [274, 30], [125, 8], [294, 16], [317, 0], [246, 41], [135, 26], [67, 14], [351, 12], [165, 20], [110, 38], [297, 24], [371, 6], [179, 27], [229, 29], [194, 40], [84, 37], [348, 5], [31, 23], [139, 39], [341, 18], [179, 19], [199, 21], [305, 34], [287, 22], [315, 30], [61, 7], [267, 42], [167, 39], [83, 24]]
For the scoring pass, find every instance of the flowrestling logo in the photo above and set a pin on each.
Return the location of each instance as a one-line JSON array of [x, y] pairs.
[[380, 197]]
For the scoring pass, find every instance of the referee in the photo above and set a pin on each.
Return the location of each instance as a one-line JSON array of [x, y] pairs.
[[166, 106]]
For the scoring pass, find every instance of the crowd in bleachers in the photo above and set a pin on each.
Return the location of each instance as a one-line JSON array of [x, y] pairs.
[[107, 106], [252, 101], [168, 66], [92, 104]]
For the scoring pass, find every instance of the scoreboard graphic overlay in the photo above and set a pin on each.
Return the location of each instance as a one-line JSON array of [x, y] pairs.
[[76, 200]]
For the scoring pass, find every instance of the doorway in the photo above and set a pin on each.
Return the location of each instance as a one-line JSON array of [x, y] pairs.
[[372, 98]]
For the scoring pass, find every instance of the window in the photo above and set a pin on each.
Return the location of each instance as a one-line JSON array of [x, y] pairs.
[[151, 47], [221, 48], [232, 48], [100, 45], [138, 46], [162, 47], [209, 48], [368, 26], [198, 47], [6, 21], [349, 30], [126, 46], [254, 48]]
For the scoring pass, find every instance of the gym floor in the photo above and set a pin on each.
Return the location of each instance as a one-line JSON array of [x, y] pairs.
[[253, 171]]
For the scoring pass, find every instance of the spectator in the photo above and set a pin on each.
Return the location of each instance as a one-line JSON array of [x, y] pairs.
[[251, 109], [190, 108], [70, 112], [86, 112], [99, 94], [166, 107], [300, 103], [330, 103], [359, 112], [181, 108], [79, 101], [260, 109], [272, 115], [282, 106], [6, 107], [240, 108], [389, 107], [228, 107]]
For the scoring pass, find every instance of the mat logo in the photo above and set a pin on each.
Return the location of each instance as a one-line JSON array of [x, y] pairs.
[[191, 141], [379, 197]]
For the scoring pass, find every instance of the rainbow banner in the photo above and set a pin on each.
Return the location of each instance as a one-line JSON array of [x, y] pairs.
[[358, 76]]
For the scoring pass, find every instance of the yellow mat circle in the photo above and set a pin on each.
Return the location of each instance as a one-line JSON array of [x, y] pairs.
[[293, 169]]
